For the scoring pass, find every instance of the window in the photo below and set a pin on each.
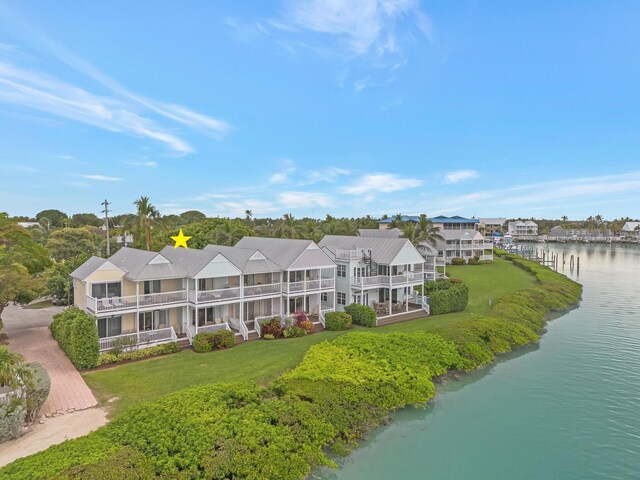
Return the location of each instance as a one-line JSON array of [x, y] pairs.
[[106, 290], [153, 320], [324, 296], [151, 286], [109, 327], [342, 271], [341, 298]]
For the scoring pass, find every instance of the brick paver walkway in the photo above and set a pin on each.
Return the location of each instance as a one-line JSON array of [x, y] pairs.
[[69, 392]]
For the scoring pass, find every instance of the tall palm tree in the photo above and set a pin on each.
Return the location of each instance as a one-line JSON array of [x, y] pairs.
[[564, 219], [287, 228], [229, 233], [147, 215], [428, 233]]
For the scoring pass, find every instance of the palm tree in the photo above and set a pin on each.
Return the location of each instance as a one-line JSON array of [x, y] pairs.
[[429, 234], [147, 215], [13, 373], [287, 227], [311, 230], [397, 221], [248, 215], [564, 219], [410, 232], [229, 233]]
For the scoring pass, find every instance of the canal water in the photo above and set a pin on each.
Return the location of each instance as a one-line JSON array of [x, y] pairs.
[[568, 408]]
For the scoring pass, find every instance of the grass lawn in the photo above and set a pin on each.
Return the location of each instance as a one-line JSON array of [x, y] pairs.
[[261, 361]]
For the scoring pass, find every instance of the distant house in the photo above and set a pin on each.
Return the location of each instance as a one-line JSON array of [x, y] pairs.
[[492, 226], [377, 233], [631, 229], [384, 224], [523, 230], [28, 224]]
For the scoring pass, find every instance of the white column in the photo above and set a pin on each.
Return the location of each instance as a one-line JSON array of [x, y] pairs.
[[137, 319]]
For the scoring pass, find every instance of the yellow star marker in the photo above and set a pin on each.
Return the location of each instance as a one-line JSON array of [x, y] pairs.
[[181, 240]]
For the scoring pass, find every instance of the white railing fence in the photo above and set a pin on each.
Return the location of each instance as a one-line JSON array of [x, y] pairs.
[[266, 289], [138, 340], [148, 299], [213, 328], [322, 314]]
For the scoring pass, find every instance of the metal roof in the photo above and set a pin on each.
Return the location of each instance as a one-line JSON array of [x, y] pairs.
[[242, 258], [380, 233], [288, 253], [383, 250], [87, 268], [439, 219], [145, 265]]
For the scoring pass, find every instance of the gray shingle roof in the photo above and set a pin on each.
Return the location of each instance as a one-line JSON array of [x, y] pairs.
[[288, 253], [383, 250], [87, 268]]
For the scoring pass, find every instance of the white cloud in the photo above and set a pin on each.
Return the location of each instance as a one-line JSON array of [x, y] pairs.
[[381, 182], [238, 208], [41, 92], [279, 177], [102, 178], [143, 164], [304, 199], [459, 175]]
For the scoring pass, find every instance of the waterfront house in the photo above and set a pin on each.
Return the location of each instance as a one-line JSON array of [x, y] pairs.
[[491, 227], [523, 230], [377, 271], [147, 298], [631, 230], [461, 239]]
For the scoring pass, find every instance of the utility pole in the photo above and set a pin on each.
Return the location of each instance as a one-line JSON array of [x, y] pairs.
[[106, 222]]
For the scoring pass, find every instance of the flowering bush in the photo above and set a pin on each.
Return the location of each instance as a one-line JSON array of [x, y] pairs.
[[306, 324], [272, 327]]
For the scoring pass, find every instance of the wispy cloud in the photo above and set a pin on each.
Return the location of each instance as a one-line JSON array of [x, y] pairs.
[[305, 199], [542, 195], [24, 168], [143, 164], [101, 178], [459, 175], [124, 111], [381, 182]]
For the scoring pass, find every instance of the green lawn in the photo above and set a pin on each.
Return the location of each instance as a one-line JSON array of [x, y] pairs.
[[261, 361]]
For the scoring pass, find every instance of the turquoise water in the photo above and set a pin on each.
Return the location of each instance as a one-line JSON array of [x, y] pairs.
[[568, 408]]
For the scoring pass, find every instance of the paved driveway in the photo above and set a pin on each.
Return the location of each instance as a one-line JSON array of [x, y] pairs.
[[29, 335]]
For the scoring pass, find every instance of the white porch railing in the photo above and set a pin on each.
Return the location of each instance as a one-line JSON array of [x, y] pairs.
[[139, 340], [327, 283], [162, 298], [218, 295], [213, 328], [322, 314], [370, 281], [268, 289], [348, 254], [308, 285], [100, 305], [239, 325], [262, 319], [191, 332]]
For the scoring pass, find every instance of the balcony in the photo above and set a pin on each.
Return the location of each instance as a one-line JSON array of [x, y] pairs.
[[147, 338], [268, 289], [218, 295], [309, 285], [384, 280], [348, 254], [131, 302]]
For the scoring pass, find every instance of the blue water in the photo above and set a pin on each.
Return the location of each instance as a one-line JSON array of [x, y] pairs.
[[568, 408]]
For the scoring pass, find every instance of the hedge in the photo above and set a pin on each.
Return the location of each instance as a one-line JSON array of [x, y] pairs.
[[447, 300], [107, 358], [77, 334], [12, 417], [208, 341], [339, 391], [337, 321], [361, 314]]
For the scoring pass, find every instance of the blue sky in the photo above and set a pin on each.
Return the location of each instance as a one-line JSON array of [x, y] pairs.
[[311, 107]]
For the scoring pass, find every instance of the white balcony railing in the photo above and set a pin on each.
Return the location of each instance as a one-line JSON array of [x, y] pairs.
[[348, 254], [213, 328], [100, 305], [138, 340], [150, 299], [370, 281], [267, 289], [383, 280], [308, 285], [321, 317], [219, 295]]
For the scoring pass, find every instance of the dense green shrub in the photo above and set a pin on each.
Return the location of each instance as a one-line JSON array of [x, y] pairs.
[[37, 390], [77, 334], [458, 261], [472, 261], [294, 331], [361, 314], [12, 417], [124, 463], [208, 341], [223, 339], [272, 327], [337, 321], [111, 357], [203, 342], [447, 300]]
